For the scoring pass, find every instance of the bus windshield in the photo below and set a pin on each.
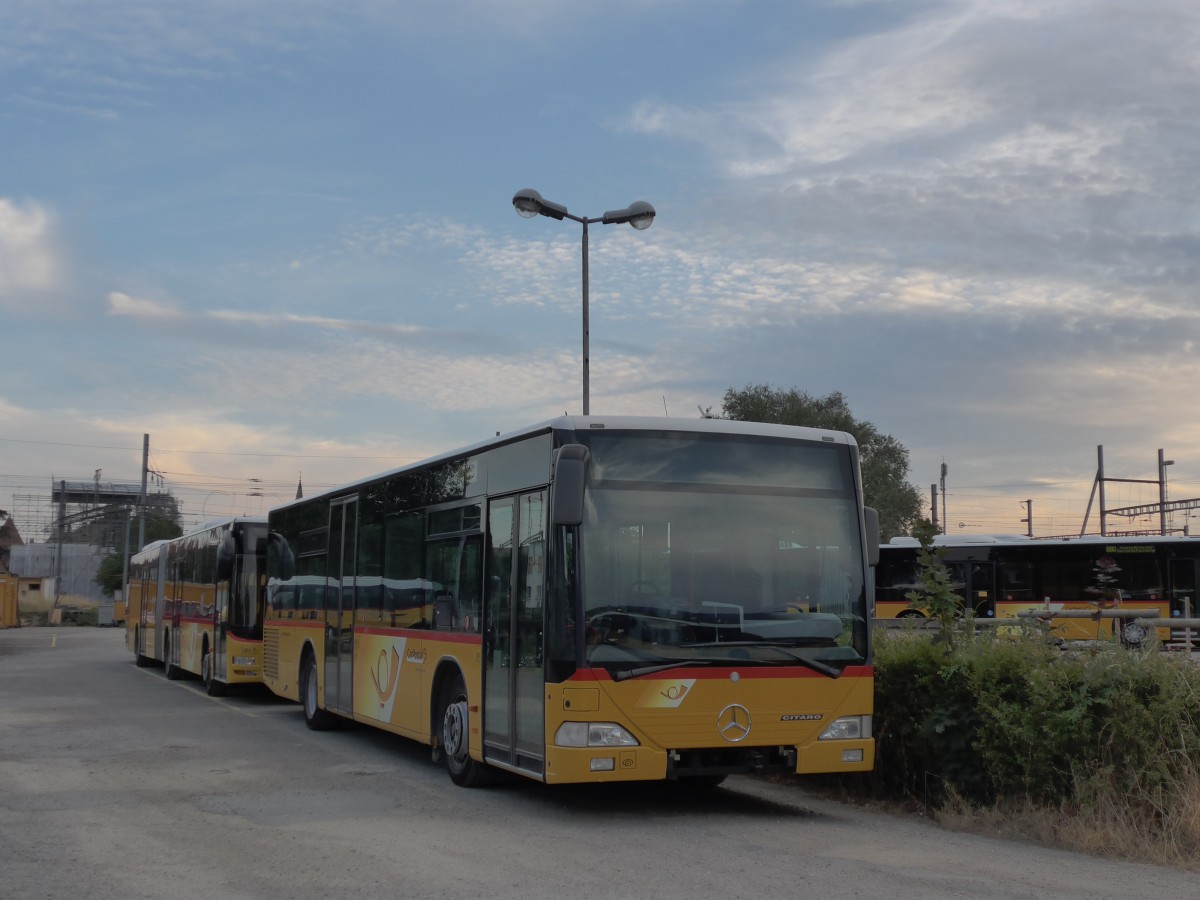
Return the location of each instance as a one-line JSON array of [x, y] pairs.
[[246, 593], [758, 563]]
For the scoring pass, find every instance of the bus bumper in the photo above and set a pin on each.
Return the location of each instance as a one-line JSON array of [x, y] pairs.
[[824, 757]]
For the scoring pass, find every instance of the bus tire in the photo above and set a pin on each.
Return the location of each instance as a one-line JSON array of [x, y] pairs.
[[212, 687], [139, 659], [174, 673], [455, 737], [314, 717], [910, 614]]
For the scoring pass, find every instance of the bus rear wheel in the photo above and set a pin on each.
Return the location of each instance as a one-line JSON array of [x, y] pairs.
[[455, 738], [314, 717]]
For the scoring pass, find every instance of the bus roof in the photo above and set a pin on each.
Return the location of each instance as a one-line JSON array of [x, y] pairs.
[[597, 423], [207, 526], [969, 540]]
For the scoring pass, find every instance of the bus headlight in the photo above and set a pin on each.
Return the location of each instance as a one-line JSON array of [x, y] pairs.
[[847, 728], [593, 734]]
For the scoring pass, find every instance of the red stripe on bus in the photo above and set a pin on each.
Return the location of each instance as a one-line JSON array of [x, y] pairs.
[[419, 633], [711, 673], [423, 633]]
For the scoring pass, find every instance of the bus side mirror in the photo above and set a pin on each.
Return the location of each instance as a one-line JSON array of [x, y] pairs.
[[281, 564], [871, 521], [570, 478], [226, 551]]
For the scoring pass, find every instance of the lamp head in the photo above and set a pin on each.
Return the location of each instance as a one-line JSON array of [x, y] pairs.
[[529, 203], [639, 214]]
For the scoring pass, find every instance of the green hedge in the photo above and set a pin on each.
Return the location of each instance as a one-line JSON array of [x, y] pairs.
[[1000, 718]]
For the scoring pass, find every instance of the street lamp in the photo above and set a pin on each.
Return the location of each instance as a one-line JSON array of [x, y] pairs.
[[639, 214]]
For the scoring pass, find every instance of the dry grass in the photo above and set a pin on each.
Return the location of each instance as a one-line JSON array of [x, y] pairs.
[[35, 610], [1116, 822]]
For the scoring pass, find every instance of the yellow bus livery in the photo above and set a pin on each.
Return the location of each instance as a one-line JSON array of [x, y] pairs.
[[195, 603], [591, 599]]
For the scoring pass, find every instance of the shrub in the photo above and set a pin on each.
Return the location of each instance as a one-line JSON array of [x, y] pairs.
[[1102, 736]]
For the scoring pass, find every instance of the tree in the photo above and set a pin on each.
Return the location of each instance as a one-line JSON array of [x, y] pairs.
[[158, 528], [882, 458], [934, 595]]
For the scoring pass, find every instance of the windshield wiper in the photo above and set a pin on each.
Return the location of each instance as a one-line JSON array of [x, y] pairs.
[[815, 664], [626, 674]]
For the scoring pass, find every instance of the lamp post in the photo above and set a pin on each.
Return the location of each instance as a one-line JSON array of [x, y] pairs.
[[639, 214]]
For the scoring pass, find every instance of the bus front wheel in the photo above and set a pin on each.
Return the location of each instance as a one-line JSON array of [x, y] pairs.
[[211, 685], [455, 738], [174, 673], [139, 659], [314, 717]]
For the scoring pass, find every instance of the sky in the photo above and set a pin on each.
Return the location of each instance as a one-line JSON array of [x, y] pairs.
[[277, 236]]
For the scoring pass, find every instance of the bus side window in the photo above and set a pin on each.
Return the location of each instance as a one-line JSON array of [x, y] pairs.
[[1016, 581], [443, 610]]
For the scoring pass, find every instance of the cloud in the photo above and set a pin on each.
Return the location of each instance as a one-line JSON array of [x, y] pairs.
[[29, 259], [120, 304], [983, 139], [243, 326]]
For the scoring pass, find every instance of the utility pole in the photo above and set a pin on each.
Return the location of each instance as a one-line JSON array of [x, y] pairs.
[[945, 520], [933, 505], [62, 526], [1162, 491], [142, 495], [1029, 517]]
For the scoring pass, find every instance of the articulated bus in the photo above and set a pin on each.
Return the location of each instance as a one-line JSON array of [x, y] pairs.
[[1001, 576], [590, 600], [195, 603]]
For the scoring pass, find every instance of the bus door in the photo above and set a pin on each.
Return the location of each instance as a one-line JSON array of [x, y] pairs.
[[220, 614], [340, 598], [981, 589], [515, 574], [1184, 577], [975, 581], [157, 613]]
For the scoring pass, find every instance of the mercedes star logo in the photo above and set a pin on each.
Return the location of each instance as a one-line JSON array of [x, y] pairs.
[[733, 723]]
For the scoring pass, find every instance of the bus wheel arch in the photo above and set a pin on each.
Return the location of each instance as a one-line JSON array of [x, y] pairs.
[[140, 659], [910, 614], [450, 728], [212, 686], [308, 681]]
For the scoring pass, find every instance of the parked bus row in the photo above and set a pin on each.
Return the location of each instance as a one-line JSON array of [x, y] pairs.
[[586, 600], [1007, 576], [194, 604]]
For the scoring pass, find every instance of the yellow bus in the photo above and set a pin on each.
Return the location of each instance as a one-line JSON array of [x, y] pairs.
[[591, 599], [195, 603], [1002, 576]]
